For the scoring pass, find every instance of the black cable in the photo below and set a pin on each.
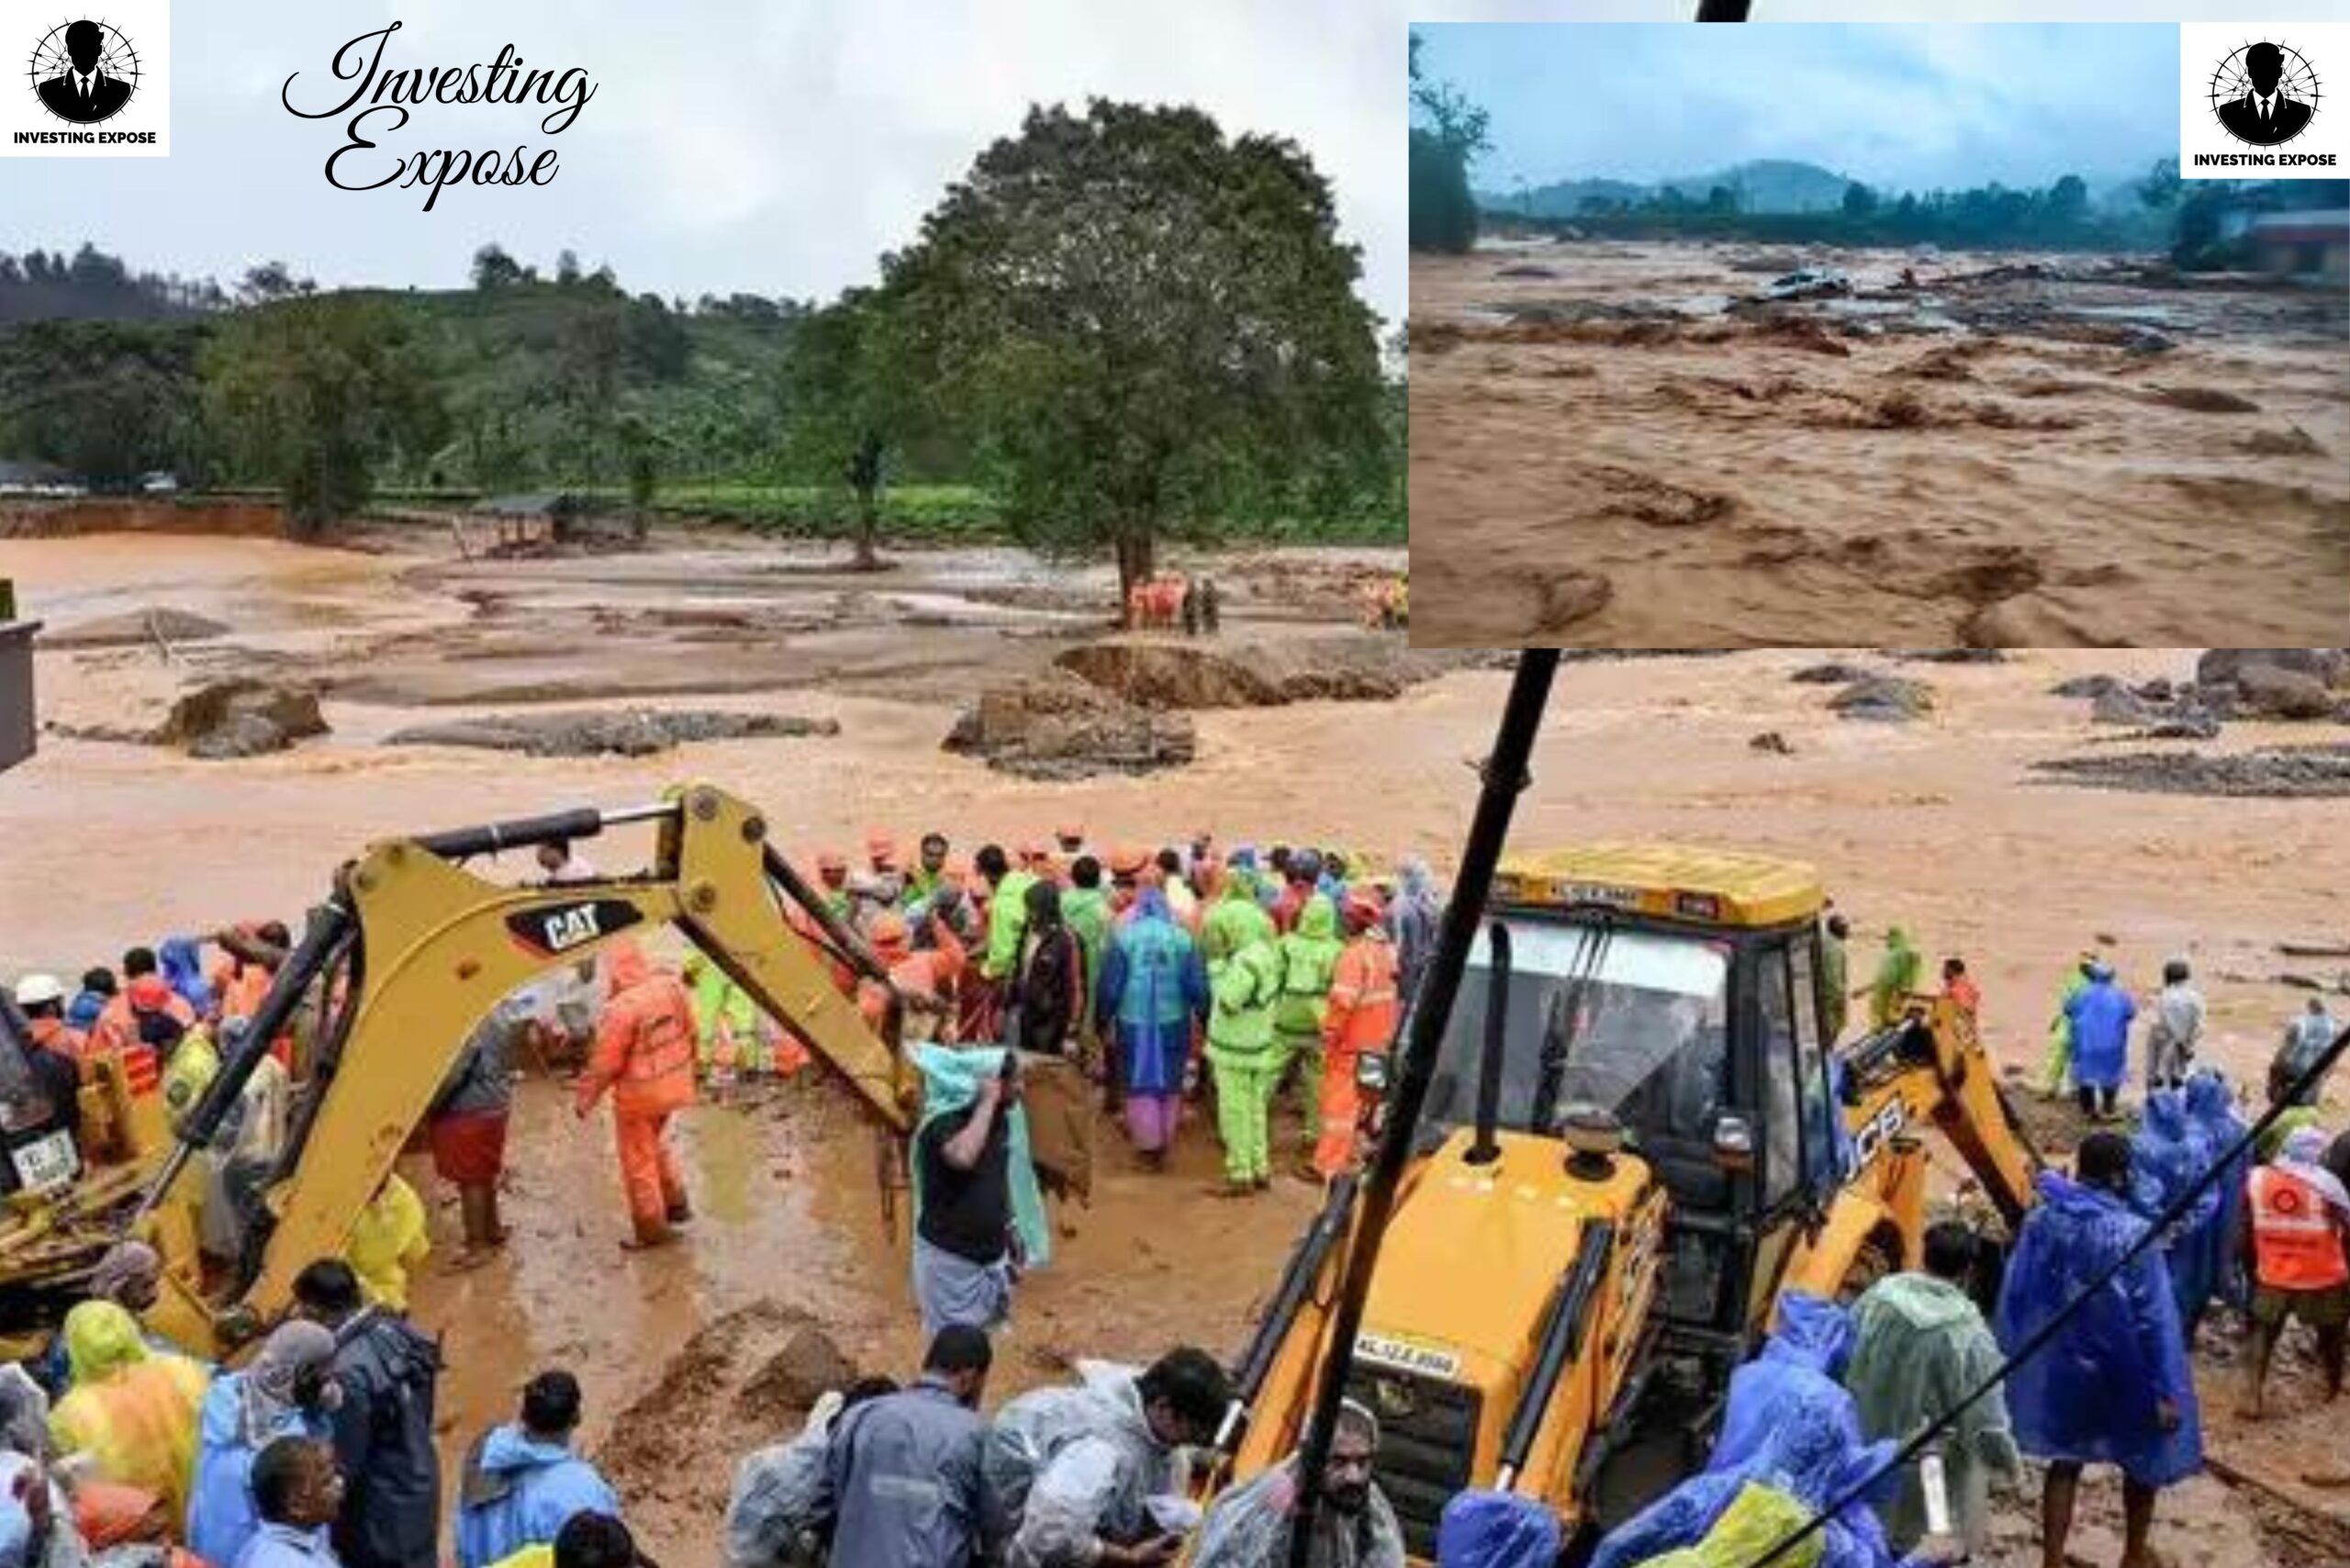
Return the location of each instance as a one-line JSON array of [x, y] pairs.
[[1721, 10], [2047, 1331]]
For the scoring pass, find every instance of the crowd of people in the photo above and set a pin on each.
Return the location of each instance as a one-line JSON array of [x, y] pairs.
[[1046, 989]]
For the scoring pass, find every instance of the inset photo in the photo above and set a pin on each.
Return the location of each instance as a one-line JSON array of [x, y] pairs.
[[1919, 335]]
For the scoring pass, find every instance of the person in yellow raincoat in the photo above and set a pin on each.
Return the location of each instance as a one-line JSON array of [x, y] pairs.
[[389, 1241], [133, 1409]]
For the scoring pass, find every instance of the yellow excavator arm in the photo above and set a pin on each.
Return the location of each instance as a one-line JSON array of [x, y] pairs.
[[413, 951]]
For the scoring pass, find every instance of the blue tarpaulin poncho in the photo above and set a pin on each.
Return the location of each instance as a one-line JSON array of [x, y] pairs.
[[1803, 1360], [2089, 1394], [1811, 1455], [2100, 1013], [2212, 1109], [2169, 1154], [1496, 1530]]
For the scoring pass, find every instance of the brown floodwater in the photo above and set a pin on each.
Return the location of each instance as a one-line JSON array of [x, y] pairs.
[[1938, 825], [1601, 457]]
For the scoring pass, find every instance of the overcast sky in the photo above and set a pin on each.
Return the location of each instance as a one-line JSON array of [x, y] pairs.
[[776, 146], [1902, 106]]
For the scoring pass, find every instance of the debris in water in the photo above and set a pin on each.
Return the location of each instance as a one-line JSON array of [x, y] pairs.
[[627, 732], [1884, 699]]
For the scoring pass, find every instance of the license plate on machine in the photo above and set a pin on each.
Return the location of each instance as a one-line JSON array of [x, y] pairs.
[[46, 1163]]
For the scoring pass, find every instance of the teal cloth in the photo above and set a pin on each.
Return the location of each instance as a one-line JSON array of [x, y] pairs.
[[950, 1081]]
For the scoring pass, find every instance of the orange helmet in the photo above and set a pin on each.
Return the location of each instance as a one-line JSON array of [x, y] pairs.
[[1070, 832], [1362, 912], [1031, 851], [890, 930], [1127, 860], [830, 860], [880, 846]]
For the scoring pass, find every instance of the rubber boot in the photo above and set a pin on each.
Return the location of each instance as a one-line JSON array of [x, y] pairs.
[[650, 1233]]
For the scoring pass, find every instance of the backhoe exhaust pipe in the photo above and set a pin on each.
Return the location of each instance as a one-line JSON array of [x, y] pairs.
[[1485, 1150], [1504, 777]]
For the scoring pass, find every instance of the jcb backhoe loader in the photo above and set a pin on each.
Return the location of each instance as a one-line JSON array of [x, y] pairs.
[[411, 951], [1635, 1135]]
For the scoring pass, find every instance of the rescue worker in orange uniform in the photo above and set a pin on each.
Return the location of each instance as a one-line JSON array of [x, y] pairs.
[[2298, 1247], [1360, 1017], [925, 975], [644, 1055], [117, 1027]]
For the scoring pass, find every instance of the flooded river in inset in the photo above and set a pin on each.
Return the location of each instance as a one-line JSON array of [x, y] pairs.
[[1997, 450]]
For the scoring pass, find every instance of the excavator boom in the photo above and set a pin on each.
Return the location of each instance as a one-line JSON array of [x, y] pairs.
[[413, 951]]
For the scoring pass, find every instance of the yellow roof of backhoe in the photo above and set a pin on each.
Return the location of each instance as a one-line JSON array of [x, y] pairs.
[[1680, 881]]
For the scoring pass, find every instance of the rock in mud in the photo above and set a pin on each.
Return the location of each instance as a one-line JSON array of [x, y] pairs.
[[2196, 726], [629, 731], [2289, 772], [1951, 655], [242, 718], [1829, 675], [135, 628], [1351, 669], [2090, 686], [1524, 270], [1773, 742], [2268, 693], [1884, 699], [809, 1365], [2225, 666], [2119, 705], [1059, 726]]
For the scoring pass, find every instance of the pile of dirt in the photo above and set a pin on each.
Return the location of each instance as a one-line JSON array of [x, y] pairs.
[[240, 717], [154, 624], [740, 1381], [2306, 772], [1056, 726], [628, 731], [1356, 668]]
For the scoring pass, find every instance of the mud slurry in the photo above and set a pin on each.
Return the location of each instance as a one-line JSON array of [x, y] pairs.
[[1618, 444]]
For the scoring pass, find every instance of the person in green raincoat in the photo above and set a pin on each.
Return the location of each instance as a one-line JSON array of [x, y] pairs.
[[1920, 1346], [726, 1023], [1085, 910], [2057, 1066], [1245, 987], [1309, 958], [1236, 919], [1835, 977], [1898, 975]]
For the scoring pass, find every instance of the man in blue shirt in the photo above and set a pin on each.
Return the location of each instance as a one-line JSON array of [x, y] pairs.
[[903, 1475], [297, 1492]]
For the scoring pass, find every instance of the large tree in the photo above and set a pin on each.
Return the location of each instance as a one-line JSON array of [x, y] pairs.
[[1448, 134], [314, 393], [106, 399], [849, 403], [1143, 328]]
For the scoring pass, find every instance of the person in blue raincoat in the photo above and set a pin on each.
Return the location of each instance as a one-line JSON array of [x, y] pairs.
[[2112, 1386], [1810, 1454], [182, 963], [289, 1391], [1804, 1359], [2212, 1108], [2168, 1158], [2099, 1013], [522, 1481]]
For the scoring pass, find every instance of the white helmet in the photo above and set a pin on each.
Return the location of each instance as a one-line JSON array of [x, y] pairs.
[[34, 989]]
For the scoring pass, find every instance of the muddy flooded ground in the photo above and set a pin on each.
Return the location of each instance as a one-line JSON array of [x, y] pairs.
[[1940, 824], [1613, 444]]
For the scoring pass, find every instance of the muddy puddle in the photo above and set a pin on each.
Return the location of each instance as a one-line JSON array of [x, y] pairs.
[[2168, 462]]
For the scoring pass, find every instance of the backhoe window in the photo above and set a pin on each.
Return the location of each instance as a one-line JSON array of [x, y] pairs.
[[1633, 1021], [1782, 1122]]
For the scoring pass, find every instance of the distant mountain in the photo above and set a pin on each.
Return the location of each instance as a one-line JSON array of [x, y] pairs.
[[1764, 184]]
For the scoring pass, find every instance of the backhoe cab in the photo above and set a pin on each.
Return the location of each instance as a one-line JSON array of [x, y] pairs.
[[1637, 1134]]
